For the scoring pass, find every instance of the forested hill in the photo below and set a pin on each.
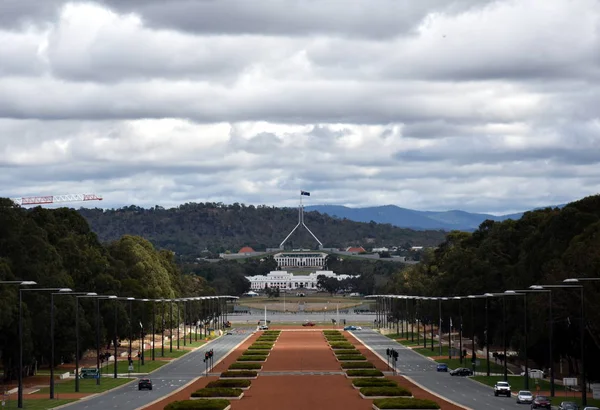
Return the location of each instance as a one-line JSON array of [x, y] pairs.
[[193, 227]]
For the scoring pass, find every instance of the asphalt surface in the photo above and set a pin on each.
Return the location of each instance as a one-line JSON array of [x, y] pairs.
[[301, 317], [460, 390], [165, 380]]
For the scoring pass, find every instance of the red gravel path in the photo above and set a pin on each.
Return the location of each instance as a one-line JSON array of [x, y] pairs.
[[301, 351]]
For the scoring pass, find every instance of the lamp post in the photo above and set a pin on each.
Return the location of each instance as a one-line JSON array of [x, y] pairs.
[[512, 292], [171, 326], [143, 335], [162, 342], [20, 376], [503, 295], [153, 325], [460, 355], [76, 339]]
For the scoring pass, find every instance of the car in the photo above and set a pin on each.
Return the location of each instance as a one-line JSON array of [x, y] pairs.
[[308, 324], [502, 388], [461, 371], [568, 405], [535, 374], [145, 384], [263, 327], [541, 402], [358, 328], [524, 396], [442, 367], [591, 408], [350, 328]]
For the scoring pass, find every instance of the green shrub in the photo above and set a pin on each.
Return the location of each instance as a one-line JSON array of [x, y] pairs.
[[242, 373], [357, 365], [218, 404], [332, 332], [260, 347], [346, 352], [336, 339], [217, 392], [255, 353], [364, 373], [341, 345], [368, 382], [385, 391], [245, 366], [231, 383], [265, 340], [342, 358], [252, 358], [272, 332], [404, 403]]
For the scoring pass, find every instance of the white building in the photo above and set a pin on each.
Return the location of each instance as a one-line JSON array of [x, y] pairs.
[[284, 280], [300, 259]]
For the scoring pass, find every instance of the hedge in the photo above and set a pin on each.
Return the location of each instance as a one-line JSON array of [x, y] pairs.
[[369, 382], [341, 345], [271, 332], [261, 345], [342, 358], [385, 391], [257, 347], [217, 392], [265, 340], [364, 373], [252, 358], [332, 332], [242, 373], [245, 366], [404, 403], [357, 365], [336, 339], [231, 383], [255, 353], [346, 352], [212, 404]]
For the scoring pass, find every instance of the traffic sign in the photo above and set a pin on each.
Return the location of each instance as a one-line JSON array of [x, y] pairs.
[[570, 381], [130, 367]]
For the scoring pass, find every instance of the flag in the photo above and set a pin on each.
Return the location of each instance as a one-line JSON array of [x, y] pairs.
[[141, 325], [304, 193]]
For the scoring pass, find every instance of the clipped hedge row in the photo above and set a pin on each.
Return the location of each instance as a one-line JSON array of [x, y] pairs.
[[369, 382], [230, 383], [332, 332], [255, 353], [271, 332], [217, 392], [242, 373], [341, 345], [404, 403], [351, 357], [213, 404], [385, 391], [252, 358], [346, 352], [245, 366], [364, 373], [357, 365], [260, 347]]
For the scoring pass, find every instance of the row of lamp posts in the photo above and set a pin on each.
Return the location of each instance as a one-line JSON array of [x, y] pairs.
[[384, 306], [214, 309]]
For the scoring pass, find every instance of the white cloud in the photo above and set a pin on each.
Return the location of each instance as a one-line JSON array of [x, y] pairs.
[[482, 106]]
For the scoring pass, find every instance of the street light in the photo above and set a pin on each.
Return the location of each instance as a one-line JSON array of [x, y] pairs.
[[514, 293], [503, 295], [460, 355], [18, 282], [20, 378], [486, 342]]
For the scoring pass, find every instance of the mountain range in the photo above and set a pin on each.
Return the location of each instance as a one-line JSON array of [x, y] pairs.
[[410, 218]]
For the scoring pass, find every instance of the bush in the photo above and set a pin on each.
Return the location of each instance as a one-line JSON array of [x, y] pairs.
[[242, 373], [404, 403], [245, 366], [341, 358], [341, 345], [364, 373], [261, 346], [357, 365], [385, 391], [254, 353], [217, 392], [272, 332], [252, 358], [368, 382], [332, 332], [231, 383], [266, 340], [218, 404], [346, 352], [336, 339]]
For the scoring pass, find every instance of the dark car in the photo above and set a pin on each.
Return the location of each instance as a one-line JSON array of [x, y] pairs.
[[308, 324], [541, 402], [461, 371], [568, 405], [145, 384], [442, 367]]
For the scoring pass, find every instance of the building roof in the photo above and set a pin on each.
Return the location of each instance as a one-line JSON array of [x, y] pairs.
[[246, 249], [356, 249]]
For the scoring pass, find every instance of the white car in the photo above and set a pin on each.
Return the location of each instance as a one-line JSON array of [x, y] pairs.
[[524, 396], [358, 328], [591, 408], [535, 374]]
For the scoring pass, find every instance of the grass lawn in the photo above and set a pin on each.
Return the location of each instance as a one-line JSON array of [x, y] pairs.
[[85, 386], [41, 404], [149, 365], [516, 382], [577, 399], [455, 363], [436, 351], [188, 344]]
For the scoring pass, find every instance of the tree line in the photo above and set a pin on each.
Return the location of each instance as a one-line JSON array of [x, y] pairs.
[[543, 247], [57, 249]]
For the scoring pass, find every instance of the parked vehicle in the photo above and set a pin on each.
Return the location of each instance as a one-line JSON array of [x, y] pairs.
[[442, 367], [502, 388], [145, 384], [591, 408], [541, 402], [524, 396], [568, 405], [461, 371]]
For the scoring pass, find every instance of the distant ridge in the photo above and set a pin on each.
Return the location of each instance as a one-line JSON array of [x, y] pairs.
[[410, 218]]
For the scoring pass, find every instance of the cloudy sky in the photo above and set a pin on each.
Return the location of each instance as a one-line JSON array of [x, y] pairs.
[[479, 105]]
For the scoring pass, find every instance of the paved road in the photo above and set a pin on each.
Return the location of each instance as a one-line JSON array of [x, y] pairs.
[[165, 380], [275, 318], [460, 390]]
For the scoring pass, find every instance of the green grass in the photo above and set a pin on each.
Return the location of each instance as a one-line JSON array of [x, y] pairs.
[[149, 365], [576, 399], [85, 386], [516, 382], [415, 343], [436, 351], [199, 343], [41, 404], [455, 363]]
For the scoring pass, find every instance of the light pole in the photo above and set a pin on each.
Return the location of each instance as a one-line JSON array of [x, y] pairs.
[[514, 293], [143, 335], [20, 376], [460, 355], [162, 342], [98, 334], [503, 295]]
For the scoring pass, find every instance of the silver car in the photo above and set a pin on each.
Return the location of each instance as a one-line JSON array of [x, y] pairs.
[[524, 396]]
